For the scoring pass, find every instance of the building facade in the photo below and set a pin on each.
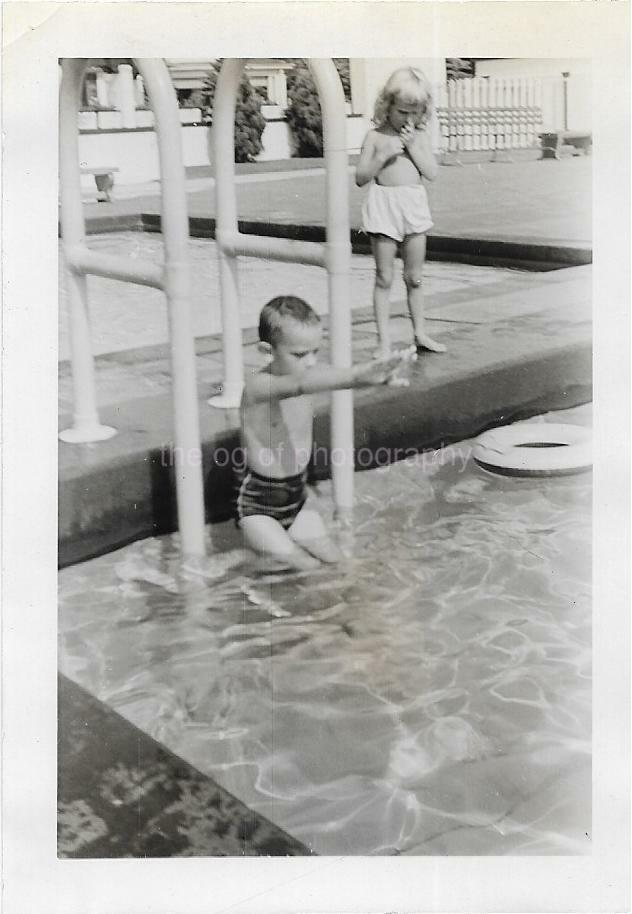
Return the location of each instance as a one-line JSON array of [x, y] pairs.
[[505, 106]]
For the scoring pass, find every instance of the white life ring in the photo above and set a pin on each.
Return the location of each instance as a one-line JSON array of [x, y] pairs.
[[529, 449]]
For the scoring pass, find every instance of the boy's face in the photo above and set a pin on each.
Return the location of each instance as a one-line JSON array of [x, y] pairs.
[[297, 349], [402, 113]]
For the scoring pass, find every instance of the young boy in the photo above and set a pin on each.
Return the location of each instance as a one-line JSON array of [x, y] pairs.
[[276, 428]]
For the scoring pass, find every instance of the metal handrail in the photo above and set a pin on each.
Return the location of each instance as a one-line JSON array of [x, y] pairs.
[[173, 277], [282, 249], [83, 259]]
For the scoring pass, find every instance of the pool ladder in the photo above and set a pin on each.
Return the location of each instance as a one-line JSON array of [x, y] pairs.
[[173, 278]]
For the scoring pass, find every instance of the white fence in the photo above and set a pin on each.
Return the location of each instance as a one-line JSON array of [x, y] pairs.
[[488, 113]]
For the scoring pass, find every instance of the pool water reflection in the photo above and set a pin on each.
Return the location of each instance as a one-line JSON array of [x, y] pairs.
[[431, 696]]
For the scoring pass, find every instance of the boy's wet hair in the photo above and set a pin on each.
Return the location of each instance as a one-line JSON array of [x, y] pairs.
[[281, 309], [408, 85]]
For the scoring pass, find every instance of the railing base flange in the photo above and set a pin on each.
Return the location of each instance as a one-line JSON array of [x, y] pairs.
[[226, 400], [84, 434]]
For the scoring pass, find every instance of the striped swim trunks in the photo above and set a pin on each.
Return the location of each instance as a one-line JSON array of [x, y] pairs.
[[281, 499]]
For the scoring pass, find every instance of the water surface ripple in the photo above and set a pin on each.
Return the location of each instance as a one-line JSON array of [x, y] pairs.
[[431, 696]]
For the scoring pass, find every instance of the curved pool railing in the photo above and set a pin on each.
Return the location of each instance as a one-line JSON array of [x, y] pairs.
[[334, 255], [173, 278]]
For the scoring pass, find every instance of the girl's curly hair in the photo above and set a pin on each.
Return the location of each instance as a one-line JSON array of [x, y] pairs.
[[409, 85]]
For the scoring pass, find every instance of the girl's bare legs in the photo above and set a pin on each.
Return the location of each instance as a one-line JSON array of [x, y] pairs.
[[384, 250], [414, 256]]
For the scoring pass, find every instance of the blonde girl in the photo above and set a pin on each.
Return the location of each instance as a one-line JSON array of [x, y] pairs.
[[396, 156]]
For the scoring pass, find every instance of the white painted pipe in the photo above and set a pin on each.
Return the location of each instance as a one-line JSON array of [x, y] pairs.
[[86, 426], [174, 279], [175, 230], [126, 96], [139, 92], [226, 222], [283, 249], [142, 272], [338, 246]]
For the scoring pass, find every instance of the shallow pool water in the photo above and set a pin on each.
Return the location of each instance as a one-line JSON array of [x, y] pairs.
[[431, 696]]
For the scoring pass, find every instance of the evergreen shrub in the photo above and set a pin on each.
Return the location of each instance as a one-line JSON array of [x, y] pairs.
[[249, 121], [303, 114]]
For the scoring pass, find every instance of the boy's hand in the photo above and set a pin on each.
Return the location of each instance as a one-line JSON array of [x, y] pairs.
[[383, 370], [405, 357]]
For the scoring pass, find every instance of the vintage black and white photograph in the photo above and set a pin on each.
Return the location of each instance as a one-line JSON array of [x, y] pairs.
[[326, 467]]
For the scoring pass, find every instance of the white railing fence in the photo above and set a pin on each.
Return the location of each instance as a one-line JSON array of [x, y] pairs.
[[489, 113]]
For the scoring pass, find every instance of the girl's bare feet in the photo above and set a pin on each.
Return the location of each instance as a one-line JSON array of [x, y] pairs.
[[425, 343]]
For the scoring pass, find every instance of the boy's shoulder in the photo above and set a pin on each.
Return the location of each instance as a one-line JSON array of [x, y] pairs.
[[256, 372], [254, 377]]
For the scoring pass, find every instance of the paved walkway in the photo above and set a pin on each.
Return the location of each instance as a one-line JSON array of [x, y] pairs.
[[545, 202], [126, 316], [542, 200]]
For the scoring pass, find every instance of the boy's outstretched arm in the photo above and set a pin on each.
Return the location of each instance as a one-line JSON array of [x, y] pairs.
[[264, 387]]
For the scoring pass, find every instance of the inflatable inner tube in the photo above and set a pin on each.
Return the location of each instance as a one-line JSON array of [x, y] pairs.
[[529, 449]]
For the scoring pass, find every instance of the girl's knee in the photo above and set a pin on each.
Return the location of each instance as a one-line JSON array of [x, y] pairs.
[[413, 278], [383, 278]]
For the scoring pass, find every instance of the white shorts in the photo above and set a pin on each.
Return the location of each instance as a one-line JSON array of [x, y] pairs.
[[396, 211]]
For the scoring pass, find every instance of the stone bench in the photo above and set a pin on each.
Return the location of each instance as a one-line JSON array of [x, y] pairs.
[[104, 179], [557, 143], [582, 141]]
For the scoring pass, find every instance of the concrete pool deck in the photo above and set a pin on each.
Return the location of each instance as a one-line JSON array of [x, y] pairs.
[[122, 793], [521, 209], [515, 349]]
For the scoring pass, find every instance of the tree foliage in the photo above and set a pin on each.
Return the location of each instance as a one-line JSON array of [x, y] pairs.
[[303, 114], [459, 67], [111, 64], [249, 121], [342, 65]]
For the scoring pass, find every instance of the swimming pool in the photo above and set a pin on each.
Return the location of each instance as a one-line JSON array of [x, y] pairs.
[[433, 696]]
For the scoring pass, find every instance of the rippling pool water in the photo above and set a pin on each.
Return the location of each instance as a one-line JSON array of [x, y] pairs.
[[431, 696]]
